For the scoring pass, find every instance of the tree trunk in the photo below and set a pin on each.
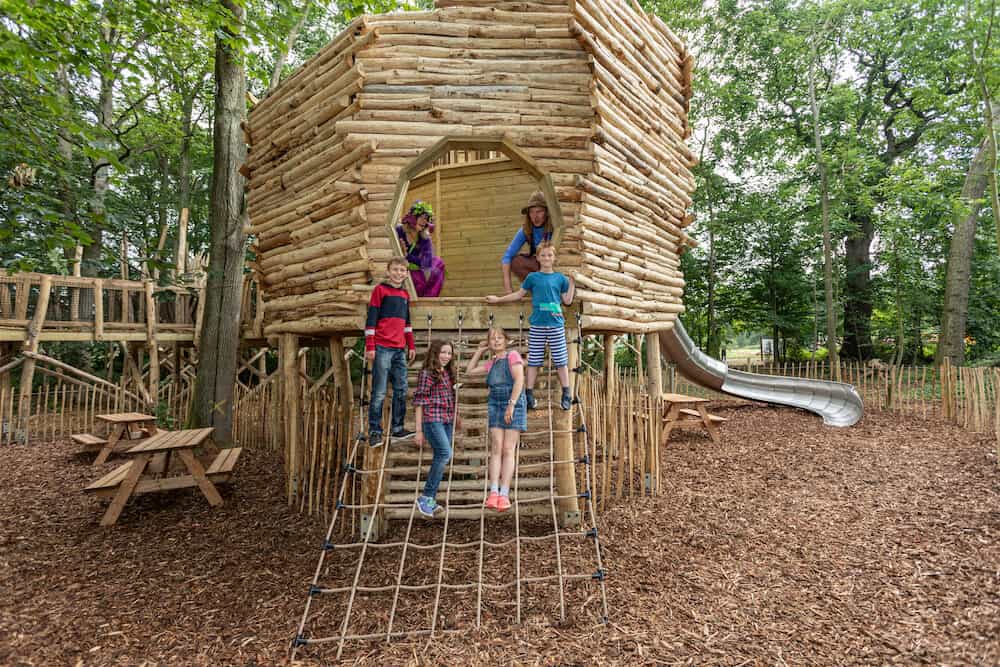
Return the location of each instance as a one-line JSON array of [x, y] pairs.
[[951, 344], [99, 180], [858, 293], [213, 404], [282, 56], [824, 183], [184, 174]]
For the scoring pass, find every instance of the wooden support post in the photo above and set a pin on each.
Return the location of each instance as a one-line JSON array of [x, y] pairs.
[[437, 212], [199, 313], [610, 370], [74, 302], [342, 377], [288, 351], [31, 345], [154, 350], [182, 248], [98, 309], [654, 374], [569, 508]]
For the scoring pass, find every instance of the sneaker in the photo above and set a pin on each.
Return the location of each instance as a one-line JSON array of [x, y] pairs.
[[374, 439], [566, 402], [402, 434], [503, 504], [427, 506], [531, 401], [491, 502]]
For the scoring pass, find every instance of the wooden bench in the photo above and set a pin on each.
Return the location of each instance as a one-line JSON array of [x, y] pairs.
[[89, 441], [688, 412], [220, 471]]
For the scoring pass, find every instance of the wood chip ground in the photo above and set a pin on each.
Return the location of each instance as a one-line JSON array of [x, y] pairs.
[[788, 543]]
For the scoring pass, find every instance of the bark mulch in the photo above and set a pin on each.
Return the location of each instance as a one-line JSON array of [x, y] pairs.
[[787, 543]]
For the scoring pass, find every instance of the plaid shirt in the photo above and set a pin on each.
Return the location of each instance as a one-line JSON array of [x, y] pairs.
[[436, 396]]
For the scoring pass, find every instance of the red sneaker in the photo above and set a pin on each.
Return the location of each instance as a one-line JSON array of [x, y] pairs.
[[503, 504], [492, 500]]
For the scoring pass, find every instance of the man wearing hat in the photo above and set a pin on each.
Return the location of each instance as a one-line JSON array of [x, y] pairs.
[[537, 227]]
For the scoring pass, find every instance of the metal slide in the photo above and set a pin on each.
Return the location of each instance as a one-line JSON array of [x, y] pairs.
[[837, 403]]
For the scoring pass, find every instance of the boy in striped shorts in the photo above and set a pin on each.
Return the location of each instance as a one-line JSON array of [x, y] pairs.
[[549, 290]]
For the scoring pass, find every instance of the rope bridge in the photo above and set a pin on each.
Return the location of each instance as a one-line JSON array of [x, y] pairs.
[[420, 577]]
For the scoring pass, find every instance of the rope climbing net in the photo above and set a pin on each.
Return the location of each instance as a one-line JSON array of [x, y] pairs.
[[417, 576]]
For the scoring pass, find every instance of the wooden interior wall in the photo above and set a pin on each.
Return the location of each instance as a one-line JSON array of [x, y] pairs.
[[479, 211]]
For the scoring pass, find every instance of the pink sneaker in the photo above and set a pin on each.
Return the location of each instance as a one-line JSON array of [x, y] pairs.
[[492, 500], [503, 504]]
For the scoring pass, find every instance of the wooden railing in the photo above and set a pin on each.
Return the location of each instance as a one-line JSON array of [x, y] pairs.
[[96, 309]]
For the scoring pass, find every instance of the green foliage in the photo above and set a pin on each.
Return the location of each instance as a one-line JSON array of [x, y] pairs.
[[898, 123]]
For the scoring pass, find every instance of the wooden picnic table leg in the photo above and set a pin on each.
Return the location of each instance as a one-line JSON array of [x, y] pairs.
[[125, 490], [673, 414], [709, 424], [109, 446], [198, 472]]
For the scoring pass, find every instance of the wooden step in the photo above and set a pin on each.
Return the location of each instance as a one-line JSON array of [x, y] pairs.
[[414, 456], [401, 484], [464, 497], [473, 512]]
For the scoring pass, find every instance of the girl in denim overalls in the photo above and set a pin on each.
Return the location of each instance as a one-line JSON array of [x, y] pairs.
[[507, 410]]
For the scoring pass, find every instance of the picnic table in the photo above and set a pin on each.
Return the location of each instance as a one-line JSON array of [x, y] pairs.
[[120, 431], [681, 409], [149, 470]]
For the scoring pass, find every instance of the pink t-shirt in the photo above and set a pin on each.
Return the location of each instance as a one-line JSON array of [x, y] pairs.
[[513, 358]]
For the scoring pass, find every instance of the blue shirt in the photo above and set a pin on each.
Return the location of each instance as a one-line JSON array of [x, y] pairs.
[[546, 302], [520, 239]]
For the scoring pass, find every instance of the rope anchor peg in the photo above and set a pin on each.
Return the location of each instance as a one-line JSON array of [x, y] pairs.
[[315, 590], [299, 640]]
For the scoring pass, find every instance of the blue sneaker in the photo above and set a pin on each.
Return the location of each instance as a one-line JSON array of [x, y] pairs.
[[375, 439], [566, 402], [427, 506], [530, 401]]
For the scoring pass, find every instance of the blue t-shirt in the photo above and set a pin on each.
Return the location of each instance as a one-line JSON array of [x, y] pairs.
[[520, 239], [546, 302]]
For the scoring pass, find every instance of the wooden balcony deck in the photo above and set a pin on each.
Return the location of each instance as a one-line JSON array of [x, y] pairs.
[[95, 309]]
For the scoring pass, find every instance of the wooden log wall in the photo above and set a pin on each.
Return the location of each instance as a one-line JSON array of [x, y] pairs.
[[593, 92], [633, 202], [477, 206]]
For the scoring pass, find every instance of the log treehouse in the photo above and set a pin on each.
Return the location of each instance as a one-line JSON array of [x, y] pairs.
[[470, 107]]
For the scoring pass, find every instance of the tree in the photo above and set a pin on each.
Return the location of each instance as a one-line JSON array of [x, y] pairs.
[[213, 404], [951, 344]]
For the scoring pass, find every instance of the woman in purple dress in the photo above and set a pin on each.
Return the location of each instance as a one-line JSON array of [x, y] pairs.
[[426, 269]]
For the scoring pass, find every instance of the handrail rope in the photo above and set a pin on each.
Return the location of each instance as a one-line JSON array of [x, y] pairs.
[[368, 534], [413, 509], [482, 507], [340, 497], [590, 496], [447, 496], [552, 491], [461, 545], [385, 588]]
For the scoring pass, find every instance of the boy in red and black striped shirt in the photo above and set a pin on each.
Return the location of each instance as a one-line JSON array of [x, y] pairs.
[[389, 345]]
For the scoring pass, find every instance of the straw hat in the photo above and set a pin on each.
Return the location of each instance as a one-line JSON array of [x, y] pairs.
[[537, 199]]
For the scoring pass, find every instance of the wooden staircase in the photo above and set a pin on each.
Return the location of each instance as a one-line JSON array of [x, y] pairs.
[[407, 467]]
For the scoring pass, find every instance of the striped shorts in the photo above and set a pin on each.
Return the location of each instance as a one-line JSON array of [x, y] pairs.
[[555, 338]]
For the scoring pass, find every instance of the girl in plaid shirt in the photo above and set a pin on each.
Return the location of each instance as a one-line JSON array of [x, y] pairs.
[[435, 416]]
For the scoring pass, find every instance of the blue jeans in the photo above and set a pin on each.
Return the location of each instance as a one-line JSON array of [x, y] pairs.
[[389, 364], [439, 435]]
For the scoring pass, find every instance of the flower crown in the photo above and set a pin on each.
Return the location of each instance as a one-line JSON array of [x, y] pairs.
[[418, 209]]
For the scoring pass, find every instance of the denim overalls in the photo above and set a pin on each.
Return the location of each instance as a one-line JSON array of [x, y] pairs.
[[501, 385]]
